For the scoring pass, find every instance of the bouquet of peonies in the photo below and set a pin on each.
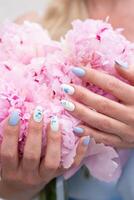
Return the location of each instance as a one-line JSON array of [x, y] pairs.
[[32, 69]]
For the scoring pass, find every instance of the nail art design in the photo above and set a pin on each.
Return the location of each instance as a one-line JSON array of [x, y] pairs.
[[14, 118], [68, 105], [54, 124], [38, 114], [78, 130], [78, 71], [122, 64], [68, 89], [86, 141]]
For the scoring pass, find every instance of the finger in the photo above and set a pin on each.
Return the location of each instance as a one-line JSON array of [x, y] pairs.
[[30, 16], [60, 171], [125, 71], [51, 161], [101, 137], [99, 121], [9, 146], [98, 103], [81, 150], [32, 149], [108, 83]]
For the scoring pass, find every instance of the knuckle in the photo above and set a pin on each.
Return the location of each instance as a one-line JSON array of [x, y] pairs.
[[105, 140], [8, 156], [103, 105], [104, 125], [111, 141], [81, 112], [55, 138], [51, 166], [30, 157], [83, 94], [9, 177], [80, 93], [112, 84], [35, 127]]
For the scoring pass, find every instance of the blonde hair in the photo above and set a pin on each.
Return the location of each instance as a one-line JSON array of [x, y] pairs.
[[61, 13]]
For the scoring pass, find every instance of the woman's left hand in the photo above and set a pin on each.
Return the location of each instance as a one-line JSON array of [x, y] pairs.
[[113, 123]]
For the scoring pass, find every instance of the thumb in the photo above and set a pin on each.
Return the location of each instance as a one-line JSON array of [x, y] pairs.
[[125, 71]]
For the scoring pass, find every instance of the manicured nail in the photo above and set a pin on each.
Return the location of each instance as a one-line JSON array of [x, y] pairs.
[[78, 130], [68, 89], [86, 141], [68, 105], [78, 71], [38, 114], [115, 164], [14, 118], [54, 124], [124, 65]]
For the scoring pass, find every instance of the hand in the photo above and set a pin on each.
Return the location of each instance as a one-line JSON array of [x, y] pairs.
[[113, 123], [23, 178], [29, 16]]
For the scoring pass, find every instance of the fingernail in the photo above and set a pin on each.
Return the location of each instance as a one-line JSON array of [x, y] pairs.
[[54, 124], [86, 141], [68, 89], [68, 105], [14, 118], [124, 65], [78, 130], [78, 71], [38, 114]]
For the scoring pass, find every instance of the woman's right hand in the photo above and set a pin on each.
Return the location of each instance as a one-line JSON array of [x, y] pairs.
[[24, 178]]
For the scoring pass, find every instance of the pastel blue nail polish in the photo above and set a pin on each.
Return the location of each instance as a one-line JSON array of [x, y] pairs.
[[124, 65], [78, 130], [78, 71], [86, 141], [14, 118]]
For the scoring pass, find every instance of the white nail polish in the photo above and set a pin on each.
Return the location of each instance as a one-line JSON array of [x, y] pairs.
[[68, 89], [68, 105], [54, 124], [38, 114]]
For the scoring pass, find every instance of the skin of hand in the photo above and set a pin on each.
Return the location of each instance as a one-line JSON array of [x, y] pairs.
[[30, 16], [105, 120], [24, 178]]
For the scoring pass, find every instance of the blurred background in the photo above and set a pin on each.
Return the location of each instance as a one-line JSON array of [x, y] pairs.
[[10, 9]]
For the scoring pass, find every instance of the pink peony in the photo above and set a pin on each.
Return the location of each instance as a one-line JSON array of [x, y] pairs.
[[23, 43], [32, 69]]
